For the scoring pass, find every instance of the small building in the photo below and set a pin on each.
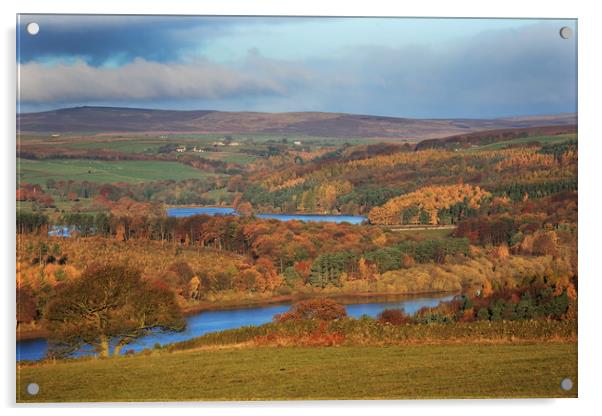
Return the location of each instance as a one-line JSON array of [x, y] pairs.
[[181, 149], [297, 143]]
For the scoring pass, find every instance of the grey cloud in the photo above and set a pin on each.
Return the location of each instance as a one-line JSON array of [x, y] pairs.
[[146, 80], [503, 72], [530, 70]]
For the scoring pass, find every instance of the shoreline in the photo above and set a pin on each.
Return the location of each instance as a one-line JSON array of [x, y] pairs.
[[312, 214], [365, 221], [251, 303], [29, 335]]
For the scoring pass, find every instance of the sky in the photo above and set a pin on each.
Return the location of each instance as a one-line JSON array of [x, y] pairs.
[[402, 67]]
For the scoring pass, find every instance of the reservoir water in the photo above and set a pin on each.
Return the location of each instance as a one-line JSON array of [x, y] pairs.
[[189, 211], [186, 212], [213, 321], [64, 231]]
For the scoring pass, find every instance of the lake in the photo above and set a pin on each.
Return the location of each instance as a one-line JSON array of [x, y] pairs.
[[186, 212], [213, 321], [59, 231], [63, 231]]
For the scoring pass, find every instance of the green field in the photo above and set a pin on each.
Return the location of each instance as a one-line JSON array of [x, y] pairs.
[[58, 204], [267, 373], [277, 137], [131, 171], [132, 145], [231, 157], [541, 139]]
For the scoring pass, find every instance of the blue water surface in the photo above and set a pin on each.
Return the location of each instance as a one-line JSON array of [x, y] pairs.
[[64, 231], [352, 219], [189, 211], [213, 321], [186, 212]]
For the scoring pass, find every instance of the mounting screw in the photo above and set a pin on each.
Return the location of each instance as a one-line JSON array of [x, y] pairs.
[[33, 389], [566, 384], [566, 32], [33, 28]]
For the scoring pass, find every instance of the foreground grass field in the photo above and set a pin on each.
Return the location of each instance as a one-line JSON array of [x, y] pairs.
[[395, 372], [39, 171]]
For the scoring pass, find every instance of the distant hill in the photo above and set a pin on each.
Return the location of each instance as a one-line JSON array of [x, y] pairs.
[[114, 119], [494, 136]]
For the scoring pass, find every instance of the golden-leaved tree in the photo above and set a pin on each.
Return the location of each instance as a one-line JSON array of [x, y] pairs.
[[429, 199]]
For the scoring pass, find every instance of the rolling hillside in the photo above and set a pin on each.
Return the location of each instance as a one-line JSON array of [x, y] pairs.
[[490, 137], [112, 119]]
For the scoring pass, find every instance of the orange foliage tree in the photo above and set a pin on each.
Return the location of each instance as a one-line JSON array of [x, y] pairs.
[[429, 199]]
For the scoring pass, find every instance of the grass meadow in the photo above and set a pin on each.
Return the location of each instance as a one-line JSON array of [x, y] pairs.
[[129, 171], [306, 373], [523, 140]]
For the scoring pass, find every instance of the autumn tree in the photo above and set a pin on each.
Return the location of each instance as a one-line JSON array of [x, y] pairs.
[[291, 276], [364, 269], [313, 309], [394, 317], [423, 205], [109, 305], [179, 275], [245, 209], [31, 222], [194, 288], [545, 243], [500, 252], [26, 305]]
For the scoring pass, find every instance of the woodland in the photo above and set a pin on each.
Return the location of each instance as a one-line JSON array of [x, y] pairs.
[[510, 213]]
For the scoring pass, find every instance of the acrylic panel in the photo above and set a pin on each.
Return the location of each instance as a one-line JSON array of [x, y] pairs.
[[295, 208]]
